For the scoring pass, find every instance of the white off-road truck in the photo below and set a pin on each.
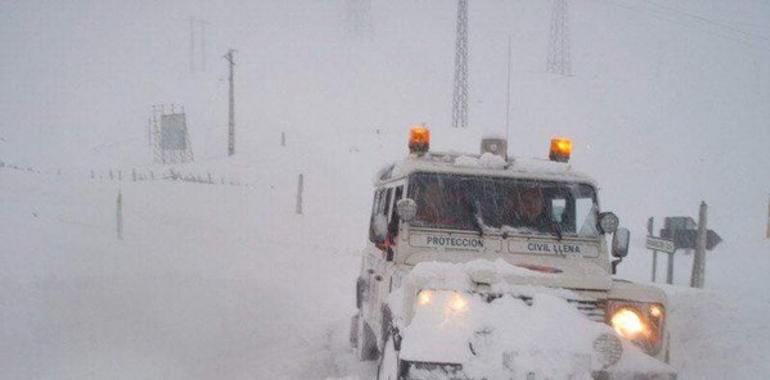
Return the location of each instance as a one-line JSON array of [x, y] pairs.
[[485, 267]]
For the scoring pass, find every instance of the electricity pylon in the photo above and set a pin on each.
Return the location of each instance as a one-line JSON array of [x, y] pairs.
[[460, 95], [559, 60]]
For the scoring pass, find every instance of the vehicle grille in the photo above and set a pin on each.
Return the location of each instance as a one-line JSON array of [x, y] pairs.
[[594, 310]]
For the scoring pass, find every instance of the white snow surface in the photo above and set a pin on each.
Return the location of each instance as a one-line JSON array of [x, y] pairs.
[[215, 282], [486, 160], [223, 282]]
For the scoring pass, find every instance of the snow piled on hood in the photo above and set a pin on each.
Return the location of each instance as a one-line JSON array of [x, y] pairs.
[[493, 339]]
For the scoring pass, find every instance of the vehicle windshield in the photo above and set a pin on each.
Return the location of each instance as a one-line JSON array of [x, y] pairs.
[[504, 205]]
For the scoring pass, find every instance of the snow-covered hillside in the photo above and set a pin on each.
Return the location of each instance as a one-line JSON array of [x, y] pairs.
[[209, 282], [220, 281]]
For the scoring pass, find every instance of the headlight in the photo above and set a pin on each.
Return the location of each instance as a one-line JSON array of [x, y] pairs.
[[453, 302], [425, 297], [457, 303], [627, 323], [641, 323]]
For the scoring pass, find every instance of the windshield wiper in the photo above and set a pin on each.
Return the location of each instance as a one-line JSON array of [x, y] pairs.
[[478, 220], [556, 228]]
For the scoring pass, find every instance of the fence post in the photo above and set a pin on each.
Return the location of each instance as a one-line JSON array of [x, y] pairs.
[[119, 215], [299, 194]]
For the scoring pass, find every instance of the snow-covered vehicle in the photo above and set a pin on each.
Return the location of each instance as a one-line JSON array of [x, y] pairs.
[[485, 267]]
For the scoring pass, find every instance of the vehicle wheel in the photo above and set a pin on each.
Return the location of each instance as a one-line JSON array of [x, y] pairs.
[[389, 362], [366, 342], [354, 331]]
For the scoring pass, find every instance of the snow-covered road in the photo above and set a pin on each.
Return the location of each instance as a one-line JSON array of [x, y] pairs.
[[222, 282]]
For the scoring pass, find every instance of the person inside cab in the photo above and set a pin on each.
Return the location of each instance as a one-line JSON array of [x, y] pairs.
[[438, 205], [530, 211]]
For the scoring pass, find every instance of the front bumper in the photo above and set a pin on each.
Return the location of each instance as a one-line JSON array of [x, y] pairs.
[[414, 370]]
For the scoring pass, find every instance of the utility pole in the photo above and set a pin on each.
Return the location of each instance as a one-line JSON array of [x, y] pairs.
[[202, 24], [192, 44], [231, 119], [559, 58], [768, 217], [508, 96], [699, 261], [460, 96], [650, 229], [670, 269]]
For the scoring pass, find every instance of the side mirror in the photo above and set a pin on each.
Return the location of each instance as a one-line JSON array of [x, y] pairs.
[[406, 209], [620, 242], [608, 222], [396, 340], [379, 229]]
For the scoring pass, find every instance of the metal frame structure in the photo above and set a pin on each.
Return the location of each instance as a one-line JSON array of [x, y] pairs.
[[161, 155]]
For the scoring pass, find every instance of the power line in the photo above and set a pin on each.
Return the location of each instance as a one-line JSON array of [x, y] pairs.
[[201, 24], [709, 21], [660, 15]]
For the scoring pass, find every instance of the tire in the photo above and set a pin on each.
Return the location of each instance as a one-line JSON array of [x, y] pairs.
[[366, 342], [388, 367]]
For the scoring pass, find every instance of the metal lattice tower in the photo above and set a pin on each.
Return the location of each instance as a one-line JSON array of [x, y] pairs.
[[358, 17], [559, 59], [460, 96]]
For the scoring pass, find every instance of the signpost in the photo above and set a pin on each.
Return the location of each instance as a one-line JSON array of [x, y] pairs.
[[682, 232], [697, 278], [659, 244], [650, 228]]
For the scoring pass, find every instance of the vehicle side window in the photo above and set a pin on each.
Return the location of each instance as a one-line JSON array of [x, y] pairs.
[[394, 220], [398, 194], [376, 201], [388, 197], [376, 208]]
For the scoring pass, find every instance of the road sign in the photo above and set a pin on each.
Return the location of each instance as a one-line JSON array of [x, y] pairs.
[[658, 244], [685, 239], [712, 239], [679, 223]]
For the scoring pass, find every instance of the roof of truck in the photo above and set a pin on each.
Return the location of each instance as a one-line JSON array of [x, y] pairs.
[[486, 164]]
